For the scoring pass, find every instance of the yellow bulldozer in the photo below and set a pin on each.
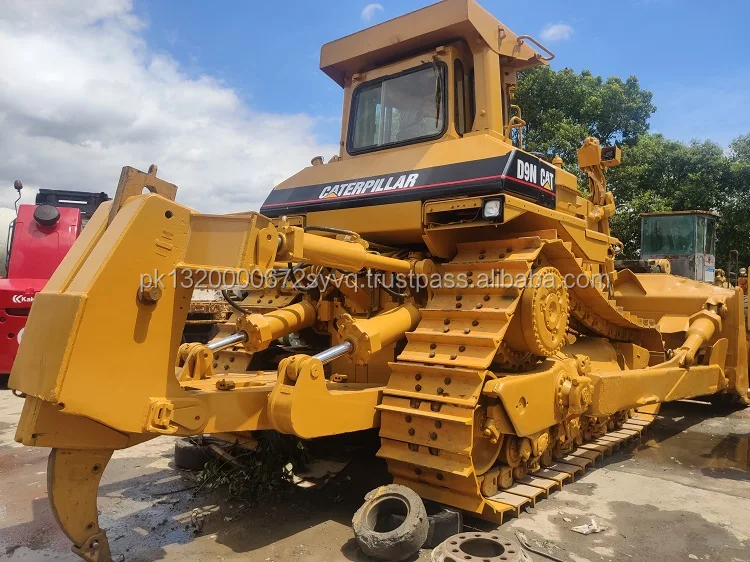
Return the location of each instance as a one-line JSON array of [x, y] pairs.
[[433, 280]]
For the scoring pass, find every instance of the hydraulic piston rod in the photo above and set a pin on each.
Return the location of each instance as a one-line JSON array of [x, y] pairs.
[[258, 330], [238, 337], [328, 355], [365, 337]]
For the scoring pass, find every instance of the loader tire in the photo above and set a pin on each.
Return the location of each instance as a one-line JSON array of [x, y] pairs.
[[382, 536], [191, 454]]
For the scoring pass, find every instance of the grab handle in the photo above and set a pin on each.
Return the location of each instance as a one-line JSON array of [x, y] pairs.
[[538, 44]]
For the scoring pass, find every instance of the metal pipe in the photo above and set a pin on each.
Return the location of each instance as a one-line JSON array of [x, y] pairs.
[[238, 337], [334, 352]]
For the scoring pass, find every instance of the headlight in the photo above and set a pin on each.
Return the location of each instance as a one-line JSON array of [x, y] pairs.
[[492, 208]]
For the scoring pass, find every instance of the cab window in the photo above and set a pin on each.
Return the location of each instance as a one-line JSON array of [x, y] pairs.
[[669, 234], [400, 109]]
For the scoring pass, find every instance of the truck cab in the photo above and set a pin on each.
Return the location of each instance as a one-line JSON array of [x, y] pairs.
[[37, 240]]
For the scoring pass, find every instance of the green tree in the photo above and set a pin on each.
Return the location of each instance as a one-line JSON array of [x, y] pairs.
[[734, 226], [739, 150], [562, 108], [657, 174]]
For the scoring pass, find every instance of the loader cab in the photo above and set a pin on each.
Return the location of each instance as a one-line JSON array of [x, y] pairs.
[[686, 238]]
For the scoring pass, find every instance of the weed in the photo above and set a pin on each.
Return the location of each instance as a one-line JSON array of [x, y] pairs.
[[257, 475]]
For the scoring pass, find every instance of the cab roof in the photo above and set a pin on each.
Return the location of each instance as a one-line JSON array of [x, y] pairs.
[[429, 27]]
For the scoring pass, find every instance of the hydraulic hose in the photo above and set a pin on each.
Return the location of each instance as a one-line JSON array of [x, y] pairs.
[[233, 303], [330, 229]]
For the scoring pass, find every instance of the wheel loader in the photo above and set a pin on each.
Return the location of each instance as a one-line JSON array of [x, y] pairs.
[[433, 280]]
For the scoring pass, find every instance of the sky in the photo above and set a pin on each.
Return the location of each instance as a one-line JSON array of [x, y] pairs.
[[226, 97]]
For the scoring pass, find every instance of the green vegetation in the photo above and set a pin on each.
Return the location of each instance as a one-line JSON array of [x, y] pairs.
[[257, 475], [656, 174]]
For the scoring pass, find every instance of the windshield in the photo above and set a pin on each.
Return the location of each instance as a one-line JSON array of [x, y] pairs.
[[404, 108], [670, 234]]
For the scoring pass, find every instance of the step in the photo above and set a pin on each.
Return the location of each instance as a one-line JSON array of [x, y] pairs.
[[421, 383], [614, 441], [458, 411], [443, 399], [422, 431], [523, 249], [484, 314], [437, 370], [624, 433], [472, 290], [521, 240]]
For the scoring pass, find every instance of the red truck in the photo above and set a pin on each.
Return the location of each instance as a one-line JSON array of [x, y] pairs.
[[38, 239]]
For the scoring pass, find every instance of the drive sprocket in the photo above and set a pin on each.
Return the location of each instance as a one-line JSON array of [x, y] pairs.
[[508, 359], [543, 314]]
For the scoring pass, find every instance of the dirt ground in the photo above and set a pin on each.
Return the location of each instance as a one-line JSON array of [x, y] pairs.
[[684, 494]]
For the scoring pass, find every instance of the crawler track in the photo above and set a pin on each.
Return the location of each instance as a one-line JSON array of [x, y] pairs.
[[433, 407], [540, 484]]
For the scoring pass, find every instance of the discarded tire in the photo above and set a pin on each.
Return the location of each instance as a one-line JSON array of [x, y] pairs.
[[443, 522], [477, 547], [380, 533], [191, 453]]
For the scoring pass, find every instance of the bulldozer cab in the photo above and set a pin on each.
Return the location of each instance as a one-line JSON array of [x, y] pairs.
[[427, 115], [686, 238], [422, 76]]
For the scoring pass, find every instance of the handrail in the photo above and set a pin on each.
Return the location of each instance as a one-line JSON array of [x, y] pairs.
[[538, 44]]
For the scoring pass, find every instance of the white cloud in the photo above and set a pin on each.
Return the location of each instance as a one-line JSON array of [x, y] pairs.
[[369, 11], [81, 96], [557, 32]]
